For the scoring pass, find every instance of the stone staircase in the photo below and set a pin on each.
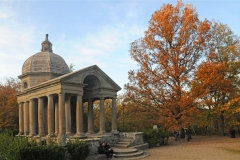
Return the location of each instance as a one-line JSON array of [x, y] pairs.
[[126, 146], [123, 142], [124, 151], [129, 153]]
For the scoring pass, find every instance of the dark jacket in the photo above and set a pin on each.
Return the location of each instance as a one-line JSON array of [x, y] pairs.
[[101, 149]]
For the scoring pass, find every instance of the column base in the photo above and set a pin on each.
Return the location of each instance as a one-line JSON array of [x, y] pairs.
[[80, 135], [31, 135], [68, 133], [90, 132], [102, 132], [115, 132], [41, 135], [20, 134], [51, 135], [61, 139], [26, 133]]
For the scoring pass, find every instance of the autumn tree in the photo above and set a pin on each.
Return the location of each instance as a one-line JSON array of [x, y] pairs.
[[167, 55], [216, 80], [8, 103]]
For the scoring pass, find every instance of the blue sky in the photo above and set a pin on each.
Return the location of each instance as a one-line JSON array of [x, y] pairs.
[[89, 32]]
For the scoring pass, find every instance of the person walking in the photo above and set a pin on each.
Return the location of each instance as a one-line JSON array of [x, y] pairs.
[[188, 133], [176, 134], [232, 132]]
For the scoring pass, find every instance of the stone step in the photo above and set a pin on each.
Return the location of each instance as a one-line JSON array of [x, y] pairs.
[[134, 158], [121, 145], [129, 155], [123, 151]]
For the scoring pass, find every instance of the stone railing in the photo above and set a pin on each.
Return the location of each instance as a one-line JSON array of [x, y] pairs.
[[137, 137]]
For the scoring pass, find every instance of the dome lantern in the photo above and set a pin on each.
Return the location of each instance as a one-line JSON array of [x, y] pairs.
[[46, 45]]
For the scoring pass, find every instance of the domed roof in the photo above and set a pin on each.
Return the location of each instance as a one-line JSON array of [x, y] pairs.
[[45, 61]]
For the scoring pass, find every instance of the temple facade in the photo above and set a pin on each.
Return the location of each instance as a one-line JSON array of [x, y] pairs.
[[51, 98]]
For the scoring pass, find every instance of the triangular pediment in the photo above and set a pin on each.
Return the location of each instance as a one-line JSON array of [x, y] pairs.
[[81, 76]]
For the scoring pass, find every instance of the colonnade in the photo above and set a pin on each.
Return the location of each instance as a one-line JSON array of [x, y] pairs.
[[51, 115]]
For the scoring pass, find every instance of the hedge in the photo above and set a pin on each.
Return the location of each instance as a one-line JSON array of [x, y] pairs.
[[18, 148]]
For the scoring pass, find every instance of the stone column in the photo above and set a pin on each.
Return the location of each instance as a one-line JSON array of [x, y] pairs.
[[56, 118], [62, 122], [68, 115], [114, 117], [32, 109], [40, 117], [50, 116], [90, 117], [21, 120], [26, 117], [79, 117], [102, 117]]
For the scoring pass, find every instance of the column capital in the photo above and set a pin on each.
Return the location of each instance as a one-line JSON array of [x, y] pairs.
[[101, 98], [50, 95], [68, 97]]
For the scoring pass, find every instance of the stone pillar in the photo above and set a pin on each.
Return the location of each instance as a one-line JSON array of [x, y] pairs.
[[68, 115], [114, 117], [90, 117], [21, 120], [79, 117], [56, 118], [102, 117], [26, 117], [40, 117], [62, 122], [32, 110], [50, 116]]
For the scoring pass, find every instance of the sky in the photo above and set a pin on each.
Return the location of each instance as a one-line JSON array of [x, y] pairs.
[[89, 32]]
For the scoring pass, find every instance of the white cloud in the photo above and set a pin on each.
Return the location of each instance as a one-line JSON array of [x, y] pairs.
[[15, 43]]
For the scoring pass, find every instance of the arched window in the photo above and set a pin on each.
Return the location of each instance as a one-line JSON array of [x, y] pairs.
[[25, 85]]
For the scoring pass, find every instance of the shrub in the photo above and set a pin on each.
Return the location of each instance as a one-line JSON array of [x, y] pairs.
[[153, 138], [18, 148], [10, 146], [46, 152], [78, 150], [164, 135]]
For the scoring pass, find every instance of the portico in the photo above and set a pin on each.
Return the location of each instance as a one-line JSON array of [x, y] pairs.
[[51, 98]]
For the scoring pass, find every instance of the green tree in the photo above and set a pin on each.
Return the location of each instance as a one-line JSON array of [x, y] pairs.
[[71, 67]]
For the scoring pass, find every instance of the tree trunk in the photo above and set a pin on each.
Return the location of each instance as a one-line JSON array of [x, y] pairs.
[[182, 133], [221, 124]]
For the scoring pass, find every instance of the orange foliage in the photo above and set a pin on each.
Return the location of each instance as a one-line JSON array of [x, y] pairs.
[[210, 85], [167, 56], [8, 103], [216, 81]]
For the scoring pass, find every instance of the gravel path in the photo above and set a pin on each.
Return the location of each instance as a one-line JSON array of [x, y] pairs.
[[199, 148]]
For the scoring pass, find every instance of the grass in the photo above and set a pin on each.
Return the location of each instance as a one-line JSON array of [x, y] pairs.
[[235, 151]]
